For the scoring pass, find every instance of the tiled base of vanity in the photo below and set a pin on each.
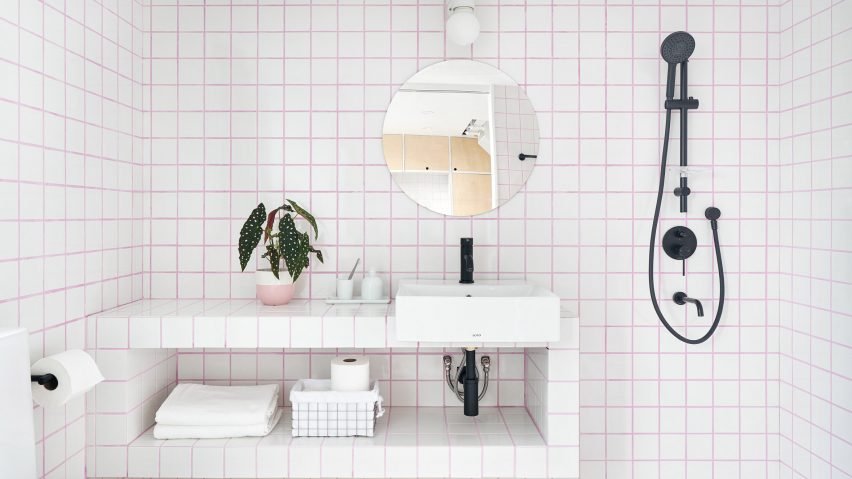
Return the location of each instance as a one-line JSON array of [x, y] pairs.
[[410, 442], [147, 347]]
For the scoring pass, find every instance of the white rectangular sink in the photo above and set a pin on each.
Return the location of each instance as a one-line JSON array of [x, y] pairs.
[[485, 311]]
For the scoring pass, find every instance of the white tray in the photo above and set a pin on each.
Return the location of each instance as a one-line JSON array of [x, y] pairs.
[[357, 300]]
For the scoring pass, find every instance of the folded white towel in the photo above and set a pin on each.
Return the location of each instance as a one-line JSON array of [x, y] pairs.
[[202, 405], [164, 431]]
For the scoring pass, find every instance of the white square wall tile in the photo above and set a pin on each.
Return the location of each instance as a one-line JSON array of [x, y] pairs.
[[242, 332], [176, 461], [433, 461], [338, 331], [305, 458], [401, 460], [240, 462], [143, 461], [144, 332], [111, 461], [305, 331], [337, 458], [564, 462], [209, 332], [273, 332], [370, 331], [176, 332], [498, 461], [112, 332], [273, 455], [531, 462], [368, 462], [563, 429], [465, 461], [208, 461]]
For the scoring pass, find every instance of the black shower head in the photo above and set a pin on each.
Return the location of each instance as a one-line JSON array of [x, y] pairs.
[[677, 47]]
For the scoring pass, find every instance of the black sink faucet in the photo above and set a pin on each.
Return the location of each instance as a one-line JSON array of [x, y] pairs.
[[466, 257]]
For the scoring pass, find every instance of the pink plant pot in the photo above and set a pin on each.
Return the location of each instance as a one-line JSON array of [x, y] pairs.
[[273, 291]]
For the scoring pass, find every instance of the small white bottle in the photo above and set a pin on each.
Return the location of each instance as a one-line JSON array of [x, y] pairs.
[[371, 286]]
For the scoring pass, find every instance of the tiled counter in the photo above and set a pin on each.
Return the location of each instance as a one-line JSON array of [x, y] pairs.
[[137, 346], [248, 324]]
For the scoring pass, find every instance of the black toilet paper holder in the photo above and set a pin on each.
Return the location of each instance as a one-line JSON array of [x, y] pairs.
[[49, 381]]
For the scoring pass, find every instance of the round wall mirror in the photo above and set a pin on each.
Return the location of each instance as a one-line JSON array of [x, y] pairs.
[[460, 138]]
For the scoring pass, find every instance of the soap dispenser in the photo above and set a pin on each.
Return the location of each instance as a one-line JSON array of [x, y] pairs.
[[371, 286]]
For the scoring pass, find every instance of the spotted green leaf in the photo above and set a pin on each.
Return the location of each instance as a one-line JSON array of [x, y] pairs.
[[317, 252], [294, 246], [274, 257], [304, 214], [250, 234]]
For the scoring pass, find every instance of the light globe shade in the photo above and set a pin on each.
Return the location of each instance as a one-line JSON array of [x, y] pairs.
[[463, 26]]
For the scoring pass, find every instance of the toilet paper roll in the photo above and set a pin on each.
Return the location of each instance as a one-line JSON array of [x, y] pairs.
[[75, 371], [350, 373]]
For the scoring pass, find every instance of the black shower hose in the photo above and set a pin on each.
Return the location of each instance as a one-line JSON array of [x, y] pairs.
[[654, 244]]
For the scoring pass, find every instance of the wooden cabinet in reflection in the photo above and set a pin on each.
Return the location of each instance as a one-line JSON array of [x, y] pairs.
[[392, 145], [471, 193], [465, 165], [426, 153], [468, 155]]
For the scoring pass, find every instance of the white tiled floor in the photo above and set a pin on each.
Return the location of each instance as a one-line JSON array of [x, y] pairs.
[[409, 442]]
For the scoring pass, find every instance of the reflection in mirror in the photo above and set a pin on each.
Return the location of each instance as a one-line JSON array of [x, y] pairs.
[[460, 138]]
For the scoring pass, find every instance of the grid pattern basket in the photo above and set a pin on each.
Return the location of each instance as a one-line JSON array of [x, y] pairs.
[[320, 412]]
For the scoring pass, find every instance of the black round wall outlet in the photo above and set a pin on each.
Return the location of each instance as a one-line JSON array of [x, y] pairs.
[[679, 242]]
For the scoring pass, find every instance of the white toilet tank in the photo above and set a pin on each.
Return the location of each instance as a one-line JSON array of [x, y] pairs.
[[17, 440]]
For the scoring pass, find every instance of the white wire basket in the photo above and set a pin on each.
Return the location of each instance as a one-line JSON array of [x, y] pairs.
[[320, 412]]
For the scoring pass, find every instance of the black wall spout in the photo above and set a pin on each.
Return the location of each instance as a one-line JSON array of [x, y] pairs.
[[681, 298], [470, 379]]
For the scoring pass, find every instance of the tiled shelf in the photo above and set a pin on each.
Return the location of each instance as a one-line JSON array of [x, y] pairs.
[[409, 442], [244, 323], [137, 348]]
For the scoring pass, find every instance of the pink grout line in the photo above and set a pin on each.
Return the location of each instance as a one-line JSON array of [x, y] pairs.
[[177, 151], [606, 246]]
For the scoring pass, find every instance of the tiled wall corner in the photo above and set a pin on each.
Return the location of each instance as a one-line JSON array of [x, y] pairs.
[[552, 387], [815, 224], [123, 406], [70, 185]]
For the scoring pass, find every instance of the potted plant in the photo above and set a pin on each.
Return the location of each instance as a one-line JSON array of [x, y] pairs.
[[286, 242]]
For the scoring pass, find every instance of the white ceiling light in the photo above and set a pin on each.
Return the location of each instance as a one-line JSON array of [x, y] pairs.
[[462, 26]]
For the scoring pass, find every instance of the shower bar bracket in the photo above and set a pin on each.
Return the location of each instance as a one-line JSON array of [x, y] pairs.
[[681, 104]]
